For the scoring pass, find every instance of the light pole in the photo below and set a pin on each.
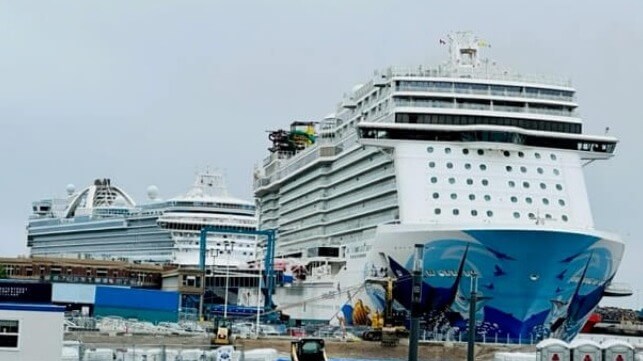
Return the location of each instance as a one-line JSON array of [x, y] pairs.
[[416, 301], [472, 316], [227, 276], [259, 279]]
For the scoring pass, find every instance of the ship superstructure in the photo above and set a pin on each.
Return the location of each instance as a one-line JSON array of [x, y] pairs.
[[102, 221], [482, 165]]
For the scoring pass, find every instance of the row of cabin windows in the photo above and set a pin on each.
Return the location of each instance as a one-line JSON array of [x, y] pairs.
[[506, 153], [489, 213], [447, 119], [505, 90]]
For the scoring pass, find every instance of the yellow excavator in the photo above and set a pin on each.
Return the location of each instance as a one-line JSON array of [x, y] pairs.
[[385, 327]]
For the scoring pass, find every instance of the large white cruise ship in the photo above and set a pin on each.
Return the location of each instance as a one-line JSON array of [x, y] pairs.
[[481, 165], [102, 221]]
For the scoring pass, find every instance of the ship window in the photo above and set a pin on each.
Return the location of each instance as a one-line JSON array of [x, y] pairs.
[[556, 172], [514, 199], [516, 215], [546, 201], [528, 200], [553, 156], [431, 164], [537, 155], [489, 214], [9, 333], [465, 151], [452, 180], [456, 212], [454, 196], [474, 212], [434, 179], [531, 216], [480, 152], [467, 166], [450, 165], [506, 153], [523, 169], [483, 167], [521, 154], [539, 170], [429, 149], [548, 216], [543, 186], [559, 187], [436, 195], [564, 217], [472, 196], [447, 150], [469, 181], [561, 202], [508, 168], [487, 197], [525, 184], [511, 184], [485, 182], [437, 211]]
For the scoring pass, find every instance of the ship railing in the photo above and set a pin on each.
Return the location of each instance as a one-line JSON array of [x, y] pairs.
[[487, 91], [481, 72]]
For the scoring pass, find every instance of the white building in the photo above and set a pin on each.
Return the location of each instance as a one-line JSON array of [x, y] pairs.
[[30, 332]]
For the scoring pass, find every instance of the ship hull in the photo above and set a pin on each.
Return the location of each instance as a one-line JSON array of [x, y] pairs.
[[532, 283]]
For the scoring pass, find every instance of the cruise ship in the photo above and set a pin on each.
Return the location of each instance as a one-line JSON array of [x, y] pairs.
[[102, 221], [481, 165]]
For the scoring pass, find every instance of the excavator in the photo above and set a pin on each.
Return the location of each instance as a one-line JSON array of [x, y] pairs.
[[388, 327]]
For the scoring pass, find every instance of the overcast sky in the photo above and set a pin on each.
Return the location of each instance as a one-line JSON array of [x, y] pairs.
[[147, 92]]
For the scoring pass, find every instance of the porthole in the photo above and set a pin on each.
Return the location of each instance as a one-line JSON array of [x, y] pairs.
[[487, 197], [456, 212], [452, 180], [528, 200], [474, 212], [523, 169], [508, 168], [540, 170], [525, 184], [436, 195], [447, 150], [556, 171], [437, 211], [514, 199], [552, 156], [537, 155], [546, 201], [559, 187], [467, 166], [431, 164], [465, 151], [511, 183], [506, 153], [543, 186], [521, 154], [516, 215], [489, 214], [434, 179], [565, 218], [548, 216], [472, 197], [469, 181], [429, 149], [485, 182], [454, 196], [483, 167], [480, 152], [561, 202], [450, 165], [531, 216]]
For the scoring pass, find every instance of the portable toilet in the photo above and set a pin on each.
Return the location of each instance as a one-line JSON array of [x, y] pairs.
[[617, 350], [585, 350], [552, 349]]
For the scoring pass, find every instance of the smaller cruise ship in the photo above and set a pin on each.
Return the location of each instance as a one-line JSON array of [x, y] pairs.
[[102, 221]]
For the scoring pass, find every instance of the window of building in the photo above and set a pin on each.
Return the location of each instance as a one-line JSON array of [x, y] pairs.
[[9, 332]]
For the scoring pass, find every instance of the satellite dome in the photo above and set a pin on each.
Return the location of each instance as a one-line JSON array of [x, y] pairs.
[[70, 189], [152, 192]]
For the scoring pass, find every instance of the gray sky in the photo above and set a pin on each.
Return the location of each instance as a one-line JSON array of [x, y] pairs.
[[147, 92]]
